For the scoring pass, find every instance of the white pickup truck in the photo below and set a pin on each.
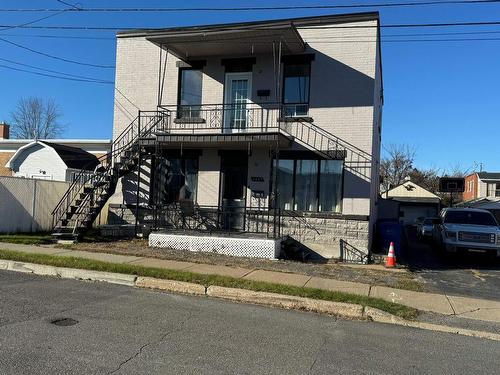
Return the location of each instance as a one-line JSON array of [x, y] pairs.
[[468, 229]]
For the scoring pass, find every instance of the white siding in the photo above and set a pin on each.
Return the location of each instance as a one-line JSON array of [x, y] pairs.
[[34, 160]]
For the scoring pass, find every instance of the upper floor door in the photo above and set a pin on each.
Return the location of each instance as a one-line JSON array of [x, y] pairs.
[[237, 97]]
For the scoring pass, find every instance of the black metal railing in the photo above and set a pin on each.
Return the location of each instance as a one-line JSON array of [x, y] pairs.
[[224, 220], [87, 185]]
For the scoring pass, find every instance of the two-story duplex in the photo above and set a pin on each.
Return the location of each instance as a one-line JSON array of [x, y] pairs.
[[269, 127]]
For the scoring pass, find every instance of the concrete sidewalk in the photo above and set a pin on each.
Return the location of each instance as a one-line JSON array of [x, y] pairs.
[[471, 308]]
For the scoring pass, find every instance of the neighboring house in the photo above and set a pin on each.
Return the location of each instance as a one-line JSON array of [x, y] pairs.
[[50, 161], [269, 127], [482, 185], [482, 190], [8, 147], [407, 202]]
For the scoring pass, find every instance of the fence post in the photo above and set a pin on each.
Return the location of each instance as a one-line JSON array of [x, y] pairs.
[[33, 207]]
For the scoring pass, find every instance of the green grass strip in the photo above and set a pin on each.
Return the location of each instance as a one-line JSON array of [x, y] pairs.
[[27, 238], [207, 280]]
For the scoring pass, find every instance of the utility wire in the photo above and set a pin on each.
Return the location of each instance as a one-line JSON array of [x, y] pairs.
[[32, 22], [263, 27], [312, 38], [56, 57], [55, 71], [54, 76], [266, 8]]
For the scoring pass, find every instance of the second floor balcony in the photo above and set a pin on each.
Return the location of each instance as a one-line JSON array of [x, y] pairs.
[[233, 118]]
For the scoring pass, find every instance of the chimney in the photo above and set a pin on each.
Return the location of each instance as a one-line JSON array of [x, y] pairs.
[[4, 130]]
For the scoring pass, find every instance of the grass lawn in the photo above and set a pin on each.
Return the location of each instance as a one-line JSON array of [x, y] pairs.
[[208, 280], [40, 238]]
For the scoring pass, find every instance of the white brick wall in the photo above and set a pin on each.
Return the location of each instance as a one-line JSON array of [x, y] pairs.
[[345, 91]]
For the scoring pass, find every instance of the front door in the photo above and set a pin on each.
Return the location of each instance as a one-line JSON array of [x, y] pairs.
[[234, 167], [237, 96]]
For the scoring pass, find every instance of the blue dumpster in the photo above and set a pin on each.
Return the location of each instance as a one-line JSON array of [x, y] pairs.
[[390, 231]]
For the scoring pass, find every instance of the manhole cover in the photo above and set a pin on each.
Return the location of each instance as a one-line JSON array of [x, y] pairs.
[[64, 322]]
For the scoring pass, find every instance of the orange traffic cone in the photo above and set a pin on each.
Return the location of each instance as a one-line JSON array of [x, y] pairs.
[[391, 258]]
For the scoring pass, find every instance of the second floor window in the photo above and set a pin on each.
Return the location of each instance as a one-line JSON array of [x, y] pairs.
[[296, 79], [189, 93]]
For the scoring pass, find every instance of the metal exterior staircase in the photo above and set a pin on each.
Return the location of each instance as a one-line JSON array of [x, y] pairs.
[[89, 192]]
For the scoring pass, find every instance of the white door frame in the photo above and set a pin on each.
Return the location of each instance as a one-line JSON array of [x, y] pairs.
[[229, 77]]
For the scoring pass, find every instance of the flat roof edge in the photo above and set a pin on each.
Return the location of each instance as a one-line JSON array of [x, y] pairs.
[[299, 21]]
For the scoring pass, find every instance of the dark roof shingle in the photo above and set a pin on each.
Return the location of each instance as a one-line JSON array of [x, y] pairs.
[[74, 157]]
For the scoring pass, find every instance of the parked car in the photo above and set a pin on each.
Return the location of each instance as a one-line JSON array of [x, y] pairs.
[[468, 229], [425, 230]]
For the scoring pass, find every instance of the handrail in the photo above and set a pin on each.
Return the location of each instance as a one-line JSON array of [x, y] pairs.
[[118, 146]]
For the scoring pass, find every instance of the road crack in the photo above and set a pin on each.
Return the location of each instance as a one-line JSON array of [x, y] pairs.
[[155, 342]]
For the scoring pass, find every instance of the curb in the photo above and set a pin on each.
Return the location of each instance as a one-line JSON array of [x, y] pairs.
[[380, 316], [346, 310], [339, 309], [171, 286], [68, 273]]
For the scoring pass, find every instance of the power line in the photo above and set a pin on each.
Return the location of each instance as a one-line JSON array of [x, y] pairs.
[[333, 36], [55, 71], [32, 22], [261, 27], [56, 57], [58, 36], [52, 75], [266, 8]]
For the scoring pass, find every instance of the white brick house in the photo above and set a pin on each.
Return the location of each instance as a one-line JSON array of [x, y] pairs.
[[261, 118]]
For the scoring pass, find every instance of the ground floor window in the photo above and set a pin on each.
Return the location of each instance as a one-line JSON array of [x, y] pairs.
[[176, 179], [309, 185]]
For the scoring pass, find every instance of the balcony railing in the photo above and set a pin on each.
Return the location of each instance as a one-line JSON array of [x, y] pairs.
[[230, 118]]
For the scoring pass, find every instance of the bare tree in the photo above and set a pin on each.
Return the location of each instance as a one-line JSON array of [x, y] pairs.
[[35, 118], [396, 165]]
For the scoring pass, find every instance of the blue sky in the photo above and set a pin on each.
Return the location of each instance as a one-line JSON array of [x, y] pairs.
[[442, 98]]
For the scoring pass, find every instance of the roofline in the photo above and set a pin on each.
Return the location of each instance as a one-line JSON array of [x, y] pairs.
[[22, 148], [55, 140], [298, 21], [404, 182]]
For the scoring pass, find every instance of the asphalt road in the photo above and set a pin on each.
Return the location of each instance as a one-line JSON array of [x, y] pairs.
[[121, 330], [469, 275]]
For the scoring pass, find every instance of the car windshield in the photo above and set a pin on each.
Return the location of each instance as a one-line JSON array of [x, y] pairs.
[[470, 217], [428, 222]]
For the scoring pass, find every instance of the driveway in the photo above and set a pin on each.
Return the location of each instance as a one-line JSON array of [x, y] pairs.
[[122, 330], [470, 275]]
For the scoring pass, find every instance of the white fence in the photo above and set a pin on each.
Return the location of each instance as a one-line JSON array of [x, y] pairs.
[[26, 204]]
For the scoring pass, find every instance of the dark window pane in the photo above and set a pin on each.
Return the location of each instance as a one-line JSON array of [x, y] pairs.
[[285, 184], [296, 90], [180, 181], [190, 93], [306, 179], [330, 185], [191, 182]]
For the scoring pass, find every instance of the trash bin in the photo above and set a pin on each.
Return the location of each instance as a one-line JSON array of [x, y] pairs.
[[390, 231], [233, 214]]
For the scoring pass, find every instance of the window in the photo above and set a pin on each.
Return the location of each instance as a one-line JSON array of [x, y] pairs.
[[176, 179], [494, 189], [296, 79], [189, 92], [309, 185]]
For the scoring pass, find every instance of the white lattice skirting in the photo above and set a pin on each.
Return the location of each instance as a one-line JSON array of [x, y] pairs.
[[243, 247]]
